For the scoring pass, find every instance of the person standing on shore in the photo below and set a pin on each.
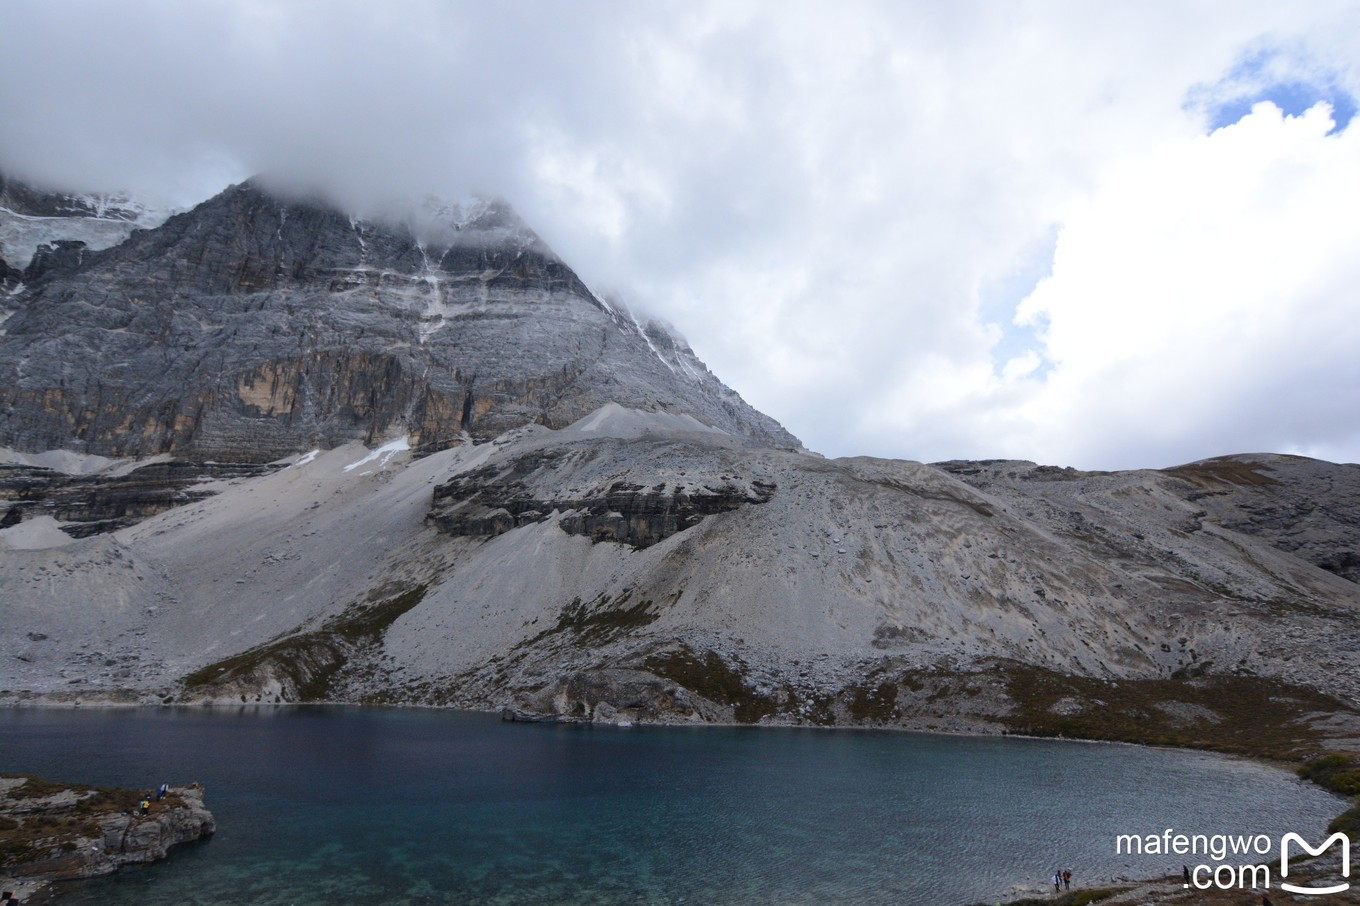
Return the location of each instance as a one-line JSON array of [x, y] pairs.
[[1067, 878], [1057, 881]]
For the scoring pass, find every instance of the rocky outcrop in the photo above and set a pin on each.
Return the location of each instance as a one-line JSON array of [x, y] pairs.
[[132, 839], [1301, 506], [256, 326], [90, 504], [615, 696], [646, 502], [55, 832], [22, 198]]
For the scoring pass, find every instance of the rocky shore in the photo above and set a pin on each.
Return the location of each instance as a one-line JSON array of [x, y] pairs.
[[58, 832]]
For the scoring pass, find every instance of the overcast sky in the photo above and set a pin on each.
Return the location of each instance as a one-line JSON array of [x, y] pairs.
[[1106, 235]]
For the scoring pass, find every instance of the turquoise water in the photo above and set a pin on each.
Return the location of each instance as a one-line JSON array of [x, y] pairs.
[[330, 805]]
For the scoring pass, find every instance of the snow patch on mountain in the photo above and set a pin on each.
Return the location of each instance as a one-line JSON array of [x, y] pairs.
[[21, 235], [383, 454]]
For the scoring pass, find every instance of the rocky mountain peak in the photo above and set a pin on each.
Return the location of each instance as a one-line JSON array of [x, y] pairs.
[[249, 239], [21, 198], [32, 219], [258, 325]]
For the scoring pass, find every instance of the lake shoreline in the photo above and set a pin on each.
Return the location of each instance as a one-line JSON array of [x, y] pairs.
[[1015, 893], [964, 728]]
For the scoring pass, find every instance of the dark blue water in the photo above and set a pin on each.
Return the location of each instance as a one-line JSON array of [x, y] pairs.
[[338, 805]]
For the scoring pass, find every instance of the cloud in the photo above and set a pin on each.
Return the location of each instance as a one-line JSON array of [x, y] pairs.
[[841, 207], [1202, 301]]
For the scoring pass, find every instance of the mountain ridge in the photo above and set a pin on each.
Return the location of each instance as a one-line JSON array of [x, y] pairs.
[[569, 517]]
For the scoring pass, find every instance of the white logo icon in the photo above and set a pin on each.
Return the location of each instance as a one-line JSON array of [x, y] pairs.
[[1316, 891]]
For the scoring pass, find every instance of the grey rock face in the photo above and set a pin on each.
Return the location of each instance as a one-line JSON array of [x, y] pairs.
[[92, 833], [1301, 506], [89, 504], [859, 590], [628, 491], [26, 200], [614, 696], [253, 327], [580, 521]]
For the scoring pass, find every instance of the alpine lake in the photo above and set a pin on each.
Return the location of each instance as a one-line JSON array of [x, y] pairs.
[[414, 806]]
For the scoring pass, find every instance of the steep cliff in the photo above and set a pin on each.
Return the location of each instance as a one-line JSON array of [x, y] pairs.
[[257, 326]]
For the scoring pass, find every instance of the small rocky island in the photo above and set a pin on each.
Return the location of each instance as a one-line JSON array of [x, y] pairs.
[[56, 831]]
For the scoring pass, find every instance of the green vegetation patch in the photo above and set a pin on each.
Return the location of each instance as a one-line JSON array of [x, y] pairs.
[[31, 836], [35, 787], [307, 661], [369, 622], [873, 703], [1340, 773], [310, 661], [95, 798], [1337, 771], [1348, 823], [1224, 471], [707, 674], [601, 620], [1250, 715]]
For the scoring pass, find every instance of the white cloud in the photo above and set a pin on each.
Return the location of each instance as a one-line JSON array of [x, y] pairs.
[[1205, 295], [839, 205]]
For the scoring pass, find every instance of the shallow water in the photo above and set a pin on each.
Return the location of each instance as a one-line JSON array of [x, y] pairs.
[[327, 805]]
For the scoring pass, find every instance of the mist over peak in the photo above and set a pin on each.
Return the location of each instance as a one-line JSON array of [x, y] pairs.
[[833, 203], [436, 222]]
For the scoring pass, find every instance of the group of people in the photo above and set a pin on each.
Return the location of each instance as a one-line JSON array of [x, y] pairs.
[[1062, 879], [161, 792]]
